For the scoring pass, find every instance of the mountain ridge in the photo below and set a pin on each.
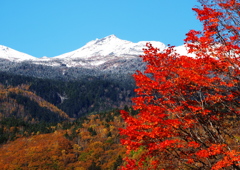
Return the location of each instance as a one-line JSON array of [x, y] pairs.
[[106, 57], [13, 55], [94, 53]]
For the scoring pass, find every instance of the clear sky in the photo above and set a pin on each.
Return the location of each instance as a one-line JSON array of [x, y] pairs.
[[53, 27]]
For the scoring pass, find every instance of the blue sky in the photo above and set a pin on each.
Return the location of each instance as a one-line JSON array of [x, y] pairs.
[[53, 27]]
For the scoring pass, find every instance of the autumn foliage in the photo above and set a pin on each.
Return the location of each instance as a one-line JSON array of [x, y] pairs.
[[91, 143], [44, 151], [189, 107]]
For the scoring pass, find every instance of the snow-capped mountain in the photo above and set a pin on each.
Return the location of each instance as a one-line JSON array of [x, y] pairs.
[[93, 54], [109, 56], [14, 55], [107, 53], [100, 51], [110, 45]]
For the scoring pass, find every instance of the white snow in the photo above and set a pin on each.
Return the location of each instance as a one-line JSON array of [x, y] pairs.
[[14, 55], [99, 51], [183, 50], [110, 45], [93, 54]]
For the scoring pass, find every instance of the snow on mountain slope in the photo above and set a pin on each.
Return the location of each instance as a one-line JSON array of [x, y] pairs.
[[108, 51], [99, 51], [14, 55], [110, 45]]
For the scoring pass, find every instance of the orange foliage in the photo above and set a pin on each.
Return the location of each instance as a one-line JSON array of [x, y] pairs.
[[97, 143], [45, 151]]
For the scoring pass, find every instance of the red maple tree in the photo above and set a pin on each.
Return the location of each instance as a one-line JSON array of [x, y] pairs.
[[189, 106]]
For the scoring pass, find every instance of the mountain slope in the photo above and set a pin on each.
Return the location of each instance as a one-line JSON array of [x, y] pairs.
[[14, 55], [93, 54], [108, 46], [99, 52], [20, 102], [107, 57], [76, 98]]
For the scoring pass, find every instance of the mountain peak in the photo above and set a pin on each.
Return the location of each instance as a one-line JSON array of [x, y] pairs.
[[113, 36], [108, 39], [109, 46], [94, 53]]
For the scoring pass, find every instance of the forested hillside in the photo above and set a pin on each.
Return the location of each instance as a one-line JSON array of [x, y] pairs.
[[76, 98], [91, 142], [19, 102]]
